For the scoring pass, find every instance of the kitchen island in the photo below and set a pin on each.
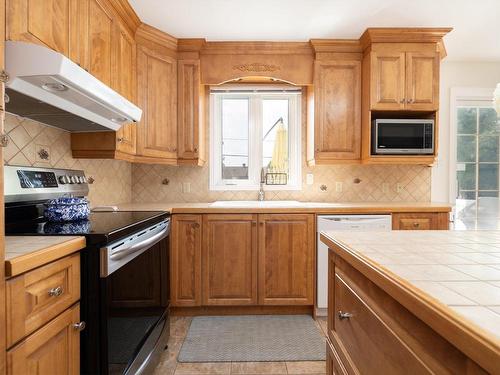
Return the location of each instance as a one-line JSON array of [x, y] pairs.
[[414, 301]]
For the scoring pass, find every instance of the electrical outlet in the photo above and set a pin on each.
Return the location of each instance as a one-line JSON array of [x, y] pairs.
[[309, 179], [399, 188], [385, 187], [186, 187], [338, 187]]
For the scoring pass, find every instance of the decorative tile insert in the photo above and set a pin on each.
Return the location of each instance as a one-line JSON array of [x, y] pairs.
[[35, 144]]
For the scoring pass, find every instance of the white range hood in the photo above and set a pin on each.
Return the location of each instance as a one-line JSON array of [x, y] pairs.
[[46, 86]]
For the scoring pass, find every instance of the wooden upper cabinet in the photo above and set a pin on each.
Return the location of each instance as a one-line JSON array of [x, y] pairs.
[[185, 260], [286, 259], [337, 110], [100, 39], [388, 80], [422, 80], [190, 97], [157, 96], [53, 349], [404, 77], [57, 24], [229, 260], [124, 81]]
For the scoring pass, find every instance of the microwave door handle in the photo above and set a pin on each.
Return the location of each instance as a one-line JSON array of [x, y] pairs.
[[140, 246]]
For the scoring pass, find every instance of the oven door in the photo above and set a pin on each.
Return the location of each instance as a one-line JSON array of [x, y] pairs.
[[134, 300], [404, 137]]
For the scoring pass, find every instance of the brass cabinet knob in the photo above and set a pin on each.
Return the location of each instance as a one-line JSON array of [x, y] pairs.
[[416, 225], [119, 140], [56, 292]]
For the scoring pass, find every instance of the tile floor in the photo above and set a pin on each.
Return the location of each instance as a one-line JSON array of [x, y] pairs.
[[178, 330]]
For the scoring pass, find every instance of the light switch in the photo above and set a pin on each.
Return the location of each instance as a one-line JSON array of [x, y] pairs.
[[309, 179], [186, 187], [338, 187]]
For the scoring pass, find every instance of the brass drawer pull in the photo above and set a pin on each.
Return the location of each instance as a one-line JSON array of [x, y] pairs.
[[416, 225], [56, 292], [344, 315], [79, 326]]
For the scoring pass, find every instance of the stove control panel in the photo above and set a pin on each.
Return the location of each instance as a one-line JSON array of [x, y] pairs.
[[33, 183]]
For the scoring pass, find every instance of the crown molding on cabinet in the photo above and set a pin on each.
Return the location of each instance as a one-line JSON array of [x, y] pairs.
[[126, 13], [151, 34]]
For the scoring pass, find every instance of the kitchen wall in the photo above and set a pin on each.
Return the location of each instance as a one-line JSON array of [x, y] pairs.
[[456, 74], [112, 178], [378, 184]]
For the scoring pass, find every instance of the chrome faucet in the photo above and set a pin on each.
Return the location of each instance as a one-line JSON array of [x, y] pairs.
[[262, 194]]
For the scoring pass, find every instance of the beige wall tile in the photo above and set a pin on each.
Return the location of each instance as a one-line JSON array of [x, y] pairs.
[[113, 178]]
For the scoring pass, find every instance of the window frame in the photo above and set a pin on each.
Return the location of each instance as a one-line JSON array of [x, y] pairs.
[[255, 148]]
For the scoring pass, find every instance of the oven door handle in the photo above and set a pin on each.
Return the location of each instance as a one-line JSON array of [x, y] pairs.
[[119, 254]]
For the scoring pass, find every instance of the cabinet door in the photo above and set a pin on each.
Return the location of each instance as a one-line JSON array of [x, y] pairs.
[[185, 260], [286, 270], [53, 23], [100, 39], [189, 110], [53, 349], [422, 81], [337, 110], [157, 96], [229, 260], [387, 80], [124, 78]]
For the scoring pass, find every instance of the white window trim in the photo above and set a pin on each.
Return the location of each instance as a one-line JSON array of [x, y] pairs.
[[457, 95], [216, 183]]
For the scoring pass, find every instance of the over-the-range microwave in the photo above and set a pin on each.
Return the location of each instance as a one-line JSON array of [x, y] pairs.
[[402, 137]]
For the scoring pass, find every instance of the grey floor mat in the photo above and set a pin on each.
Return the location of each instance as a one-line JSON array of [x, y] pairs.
[[253, 338]]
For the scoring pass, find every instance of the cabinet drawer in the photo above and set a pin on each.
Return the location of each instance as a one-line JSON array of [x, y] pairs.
[[334, 365], [37, 296], [420, 221], [372, 345], [53, 349]]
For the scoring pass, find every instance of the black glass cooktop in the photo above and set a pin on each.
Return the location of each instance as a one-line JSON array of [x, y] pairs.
[[101, 227]]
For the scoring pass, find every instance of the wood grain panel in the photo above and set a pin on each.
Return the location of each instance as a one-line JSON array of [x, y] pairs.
[[124, 78], [185, 260], [387, 80], [2, 211], [29, 303], [190, 114], [286, 269], [422, 81], [337, 110], [157, 96], [420, 221], [53, 349], [229, 260], [100, 41]]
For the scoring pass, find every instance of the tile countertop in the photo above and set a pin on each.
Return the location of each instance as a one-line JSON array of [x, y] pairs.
[[459, 270], [287, 206], [24, 253]]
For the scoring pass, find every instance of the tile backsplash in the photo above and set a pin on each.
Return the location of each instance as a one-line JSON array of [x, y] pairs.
[[34, 144], [119, 181], [376, 184]]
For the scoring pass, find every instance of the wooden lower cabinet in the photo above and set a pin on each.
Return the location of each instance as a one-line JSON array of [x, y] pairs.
[[242, 260], [53, 349], [185, 260], [229, 260], [421, 221], [286, 269], [372, 333]]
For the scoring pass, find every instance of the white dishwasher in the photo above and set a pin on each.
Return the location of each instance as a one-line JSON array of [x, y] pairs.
[[358, 223]]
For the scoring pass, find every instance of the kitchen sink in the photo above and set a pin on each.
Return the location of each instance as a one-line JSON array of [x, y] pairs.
[[255, 203]]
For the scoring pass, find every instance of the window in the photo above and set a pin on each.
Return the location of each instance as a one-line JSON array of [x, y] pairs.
[[475, 155], [478, 154], [255, 130]]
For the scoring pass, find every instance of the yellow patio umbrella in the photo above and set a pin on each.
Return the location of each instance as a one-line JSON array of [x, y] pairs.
[[279, 161]]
